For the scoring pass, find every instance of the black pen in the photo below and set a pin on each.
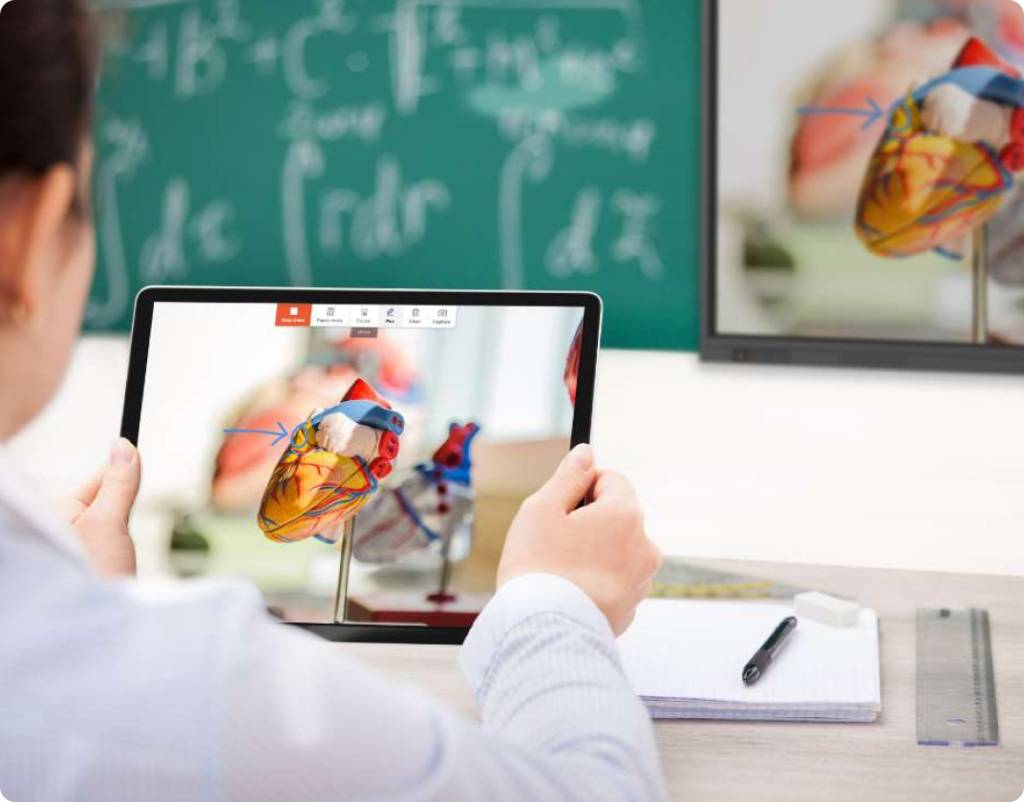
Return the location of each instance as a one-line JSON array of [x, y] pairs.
[[764, 656]]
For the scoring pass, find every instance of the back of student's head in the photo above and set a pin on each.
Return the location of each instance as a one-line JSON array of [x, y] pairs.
[[47, 75], [48, 60]]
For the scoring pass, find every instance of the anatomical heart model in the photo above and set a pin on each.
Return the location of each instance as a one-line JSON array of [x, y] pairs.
[[432, 507], [945, 164], [277, 404], [332, 466], [828, 152]]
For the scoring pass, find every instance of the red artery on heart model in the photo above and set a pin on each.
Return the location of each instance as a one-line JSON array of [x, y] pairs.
[[334, 463], [572, 364]]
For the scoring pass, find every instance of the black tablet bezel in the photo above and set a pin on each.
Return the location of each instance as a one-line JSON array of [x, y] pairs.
[[139, 355], [716, 346]]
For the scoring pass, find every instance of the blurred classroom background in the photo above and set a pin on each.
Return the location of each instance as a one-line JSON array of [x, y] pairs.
[[541, 145]]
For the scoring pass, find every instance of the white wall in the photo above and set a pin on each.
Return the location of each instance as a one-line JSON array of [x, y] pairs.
[[812, 465]]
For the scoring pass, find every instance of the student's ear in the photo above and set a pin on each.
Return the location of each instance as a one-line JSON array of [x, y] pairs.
[[33, 213]]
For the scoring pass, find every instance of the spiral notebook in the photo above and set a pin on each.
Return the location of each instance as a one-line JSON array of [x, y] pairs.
[[684, 659]]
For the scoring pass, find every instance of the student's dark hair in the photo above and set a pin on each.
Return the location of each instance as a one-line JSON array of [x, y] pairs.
[[48, 62]]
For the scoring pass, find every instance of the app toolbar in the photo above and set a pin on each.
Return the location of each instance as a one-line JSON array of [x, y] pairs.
[[367, 316]]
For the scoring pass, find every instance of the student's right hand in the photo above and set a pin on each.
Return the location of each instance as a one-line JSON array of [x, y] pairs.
[[602, 547]]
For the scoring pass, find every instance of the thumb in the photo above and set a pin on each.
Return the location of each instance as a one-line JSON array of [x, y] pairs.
[[572, 479], [120, 483]]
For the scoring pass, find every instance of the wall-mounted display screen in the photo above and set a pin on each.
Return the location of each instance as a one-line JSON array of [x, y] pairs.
[[864, 179]]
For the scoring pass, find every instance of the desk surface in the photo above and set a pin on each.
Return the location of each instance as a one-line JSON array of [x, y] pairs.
[[770, 762]]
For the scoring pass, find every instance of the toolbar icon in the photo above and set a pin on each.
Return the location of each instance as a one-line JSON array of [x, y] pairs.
[[289, 315]]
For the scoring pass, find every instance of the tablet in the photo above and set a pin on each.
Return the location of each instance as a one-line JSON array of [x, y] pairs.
[[358, 455]]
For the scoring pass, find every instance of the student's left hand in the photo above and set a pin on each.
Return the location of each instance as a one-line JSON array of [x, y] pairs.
[[99, 510]]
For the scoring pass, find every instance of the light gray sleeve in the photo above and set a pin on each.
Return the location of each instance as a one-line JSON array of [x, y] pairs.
[[560, 722], [546, 672]]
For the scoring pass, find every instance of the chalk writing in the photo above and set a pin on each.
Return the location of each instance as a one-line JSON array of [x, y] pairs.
[[355, 98], [363, 123], [163, 257], [129, 147], [532, 159], [635, 243], [387, 221], [332, 19], [572, 251]]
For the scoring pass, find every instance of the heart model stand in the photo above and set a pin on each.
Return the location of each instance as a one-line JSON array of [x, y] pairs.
[[979, 274], [348, 535], [441, 596]]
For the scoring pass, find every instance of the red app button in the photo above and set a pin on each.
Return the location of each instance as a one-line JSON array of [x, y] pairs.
[[294, 314]]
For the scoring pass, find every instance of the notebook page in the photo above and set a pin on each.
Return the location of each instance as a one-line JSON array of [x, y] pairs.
[[696, 650]]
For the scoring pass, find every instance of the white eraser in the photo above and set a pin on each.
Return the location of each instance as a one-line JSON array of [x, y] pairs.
[[826, 609]]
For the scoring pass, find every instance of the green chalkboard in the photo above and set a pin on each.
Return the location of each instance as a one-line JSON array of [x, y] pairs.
[[479, 144]]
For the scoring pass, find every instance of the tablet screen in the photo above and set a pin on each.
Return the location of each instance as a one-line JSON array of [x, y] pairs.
[[357, 462]]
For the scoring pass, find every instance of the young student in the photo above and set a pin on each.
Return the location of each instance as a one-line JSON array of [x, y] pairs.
[[107, 693]]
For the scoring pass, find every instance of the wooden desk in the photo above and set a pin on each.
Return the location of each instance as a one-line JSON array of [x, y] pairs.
[[769, 762]]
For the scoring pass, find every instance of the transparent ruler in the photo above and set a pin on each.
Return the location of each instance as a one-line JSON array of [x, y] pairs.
[[956, 692]]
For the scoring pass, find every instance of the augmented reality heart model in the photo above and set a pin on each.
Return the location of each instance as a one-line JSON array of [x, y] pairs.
[[331, 468]]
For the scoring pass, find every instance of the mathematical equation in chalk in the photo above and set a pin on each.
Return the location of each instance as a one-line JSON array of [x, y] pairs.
[[428, 44], [541, 78]]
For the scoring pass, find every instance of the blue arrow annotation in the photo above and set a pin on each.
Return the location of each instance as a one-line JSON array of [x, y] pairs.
[[278, 434], [872, 114], [363, 412]]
